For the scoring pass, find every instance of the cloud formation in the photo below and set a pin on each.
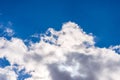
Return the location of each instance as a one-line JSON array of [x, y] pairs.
[[6, 31], [9, 32], [68, 54]]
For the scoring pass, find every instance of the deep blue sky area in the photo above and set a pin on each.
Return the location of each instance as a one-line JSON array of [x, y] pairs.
[[100, 17]]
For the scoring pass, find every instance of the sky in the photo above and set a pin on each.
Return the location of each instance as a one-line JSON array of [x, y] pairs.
[[59, 39], [100, 17]]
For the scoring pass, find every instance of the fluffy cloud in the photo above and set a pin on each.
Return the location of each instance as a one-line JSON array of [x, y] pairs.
[[68, 54], [7, 74]]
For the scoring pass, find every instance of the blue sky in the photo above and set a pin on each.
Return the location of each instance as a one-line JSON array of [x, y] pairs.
[[28, 17], [100, 17]]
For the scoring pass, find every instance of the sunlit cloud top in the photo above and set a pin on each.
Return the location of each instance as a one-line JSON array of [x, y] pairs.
[[67, 54]]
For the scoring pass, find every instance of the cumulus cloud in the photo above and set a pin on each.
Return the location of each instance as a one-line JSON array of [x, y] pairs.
[[115, 48], [7, 74], [68, 54]]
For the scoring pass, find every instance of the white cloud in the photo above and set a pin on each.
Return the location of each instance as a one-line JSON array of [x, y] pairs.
[[7, 74], [68, 54], [6, 31], [9, 32], [36, 35], [115, 48]]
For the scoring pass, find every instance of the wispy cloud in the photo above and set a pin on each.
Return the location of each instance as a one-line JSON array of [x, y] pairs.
[[6, 31], [36, 35], [9, 32], [68, 54]]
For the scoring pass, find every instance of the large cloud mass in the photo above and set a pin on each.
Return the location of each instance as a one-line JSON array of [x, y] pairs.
[[68, 54]]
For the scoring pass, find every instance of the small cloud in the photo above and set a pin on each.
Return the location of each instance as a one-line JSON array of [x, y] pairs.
[[36, 35], [5, 30], [9, 32], [115, 48]]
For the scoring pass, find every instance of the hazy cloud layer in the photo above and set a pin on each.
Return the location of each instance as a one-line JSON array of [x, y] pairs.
[[68, 54]]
